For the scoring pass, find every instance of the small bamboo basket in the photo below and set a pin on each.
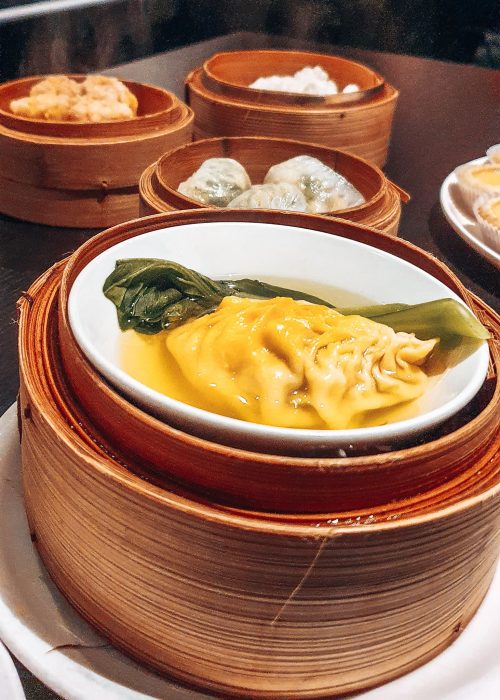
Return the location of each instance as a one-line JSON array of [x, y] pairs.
[[159, 182], [82, 174], [246, 603], [224, 105]]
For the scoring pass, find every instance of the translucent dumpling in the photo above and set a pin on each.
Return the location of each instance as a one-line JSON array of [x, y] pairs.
[[288, 363], [283, 196], [216, 182], [324, 188]]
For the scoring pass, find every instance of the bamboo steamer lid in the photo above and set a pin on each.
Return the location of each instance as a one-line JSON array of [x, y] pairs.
[[159, 183], [243, 603], [273, 482], [361, 127], [82, 174]]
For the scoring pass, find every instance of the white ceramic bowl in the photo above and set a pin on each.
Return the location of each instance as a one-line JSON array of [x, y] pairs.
[[268, 251]]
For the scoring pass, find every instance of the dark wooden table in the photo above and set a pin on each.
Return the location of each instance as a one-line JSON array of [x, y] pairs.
[[447, 114]]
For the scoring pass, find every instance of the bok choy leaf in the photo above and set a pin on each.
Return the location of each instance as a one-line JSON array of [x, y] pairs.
[[151, 295]]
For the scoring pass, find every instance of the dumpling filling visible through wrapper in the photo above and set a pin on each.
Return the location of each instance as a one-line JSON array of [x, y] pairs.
[[325, 189], [292, 364], [281, 196], [216, 182]]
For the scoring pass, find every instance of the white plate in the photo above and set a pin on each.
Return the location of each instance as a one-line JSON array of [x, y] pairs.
[[462, 220], [264, 251], [10, 685], [57, 646]]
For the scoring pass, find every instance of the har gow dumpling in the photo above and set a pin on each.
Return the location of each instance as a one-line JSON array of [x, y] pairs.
[[283, 196], [325, 189], [216, 182]]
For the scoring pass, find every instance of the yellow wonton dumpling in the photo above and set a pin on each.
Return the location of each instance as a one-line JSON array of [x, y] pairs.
[[288, 363]]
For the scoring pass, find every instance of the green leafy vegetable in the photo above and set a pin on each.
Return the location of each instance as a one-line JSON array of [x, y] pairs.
[[263, 290], [440, 318], [151, 295]]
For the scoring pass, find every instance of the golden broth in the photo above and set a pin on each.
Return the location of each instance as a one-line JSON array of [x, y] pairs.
[[147, 359], [334, 295]]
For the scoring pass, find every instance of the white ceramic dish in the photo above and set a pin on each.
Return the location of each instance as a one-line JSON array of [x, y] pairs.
[[493, 153], [264, 251], [10, 685], [59, 647], [461, 219]]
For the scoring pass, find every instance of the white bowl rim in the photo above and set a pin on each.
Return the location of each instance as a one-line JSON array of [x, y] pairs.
[[212, 423]]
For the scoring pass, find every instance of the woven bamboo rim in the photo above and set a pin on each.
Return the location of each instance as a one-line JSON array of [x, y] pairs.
[[387, 215], [151, 200], [231, 73], [382, 208], [361, 128], [292, 608], [273, 482]]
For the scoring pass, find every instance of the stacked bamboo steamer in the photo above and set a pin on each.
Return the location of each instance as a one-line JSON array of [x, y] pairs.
[[160, 181], [244, 602], [83, 174], [224, 105]]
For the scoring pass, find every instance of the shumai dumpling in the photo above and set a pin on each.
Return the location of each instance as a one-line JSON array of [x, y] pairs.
[[98, 98], [216, 182], [292, 364], [282, 196], [50, 98], [324, 188]]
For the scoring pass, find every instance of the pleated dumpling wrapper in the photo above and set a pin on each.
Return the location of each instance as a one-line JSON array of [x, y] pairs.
[[325, 189], [282, 196], [216, 182], [292, 364]]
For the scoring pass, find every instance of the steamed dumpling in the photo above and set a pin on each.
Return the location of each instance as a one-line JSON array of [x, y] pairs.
[[216, 182], [310, 80], [288, 363], [324, 189], [98, 98], [283, 196]]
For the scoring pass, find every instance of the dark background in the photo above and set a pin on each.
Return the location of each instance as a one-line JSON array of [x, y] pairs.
[[115, 31]]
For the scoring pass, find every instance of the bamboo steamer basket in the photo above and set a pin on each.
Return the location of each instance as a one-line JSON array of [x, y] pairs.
[[232, 72], [243, 603], [159, 183], [82, 174], [360, 126], [273, 482]]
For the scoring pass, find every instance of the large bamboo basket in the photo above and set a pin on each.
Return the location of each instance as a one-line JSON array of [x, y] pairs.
[[84, 174], [362, 126], [272, 482], [159, 182], [244, 603]]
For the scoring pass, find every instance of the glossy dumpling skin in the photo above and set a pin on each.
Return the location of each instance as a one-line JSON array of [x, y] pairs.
[[324, 189], [282, 196], [287, 363], [216, 182]]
